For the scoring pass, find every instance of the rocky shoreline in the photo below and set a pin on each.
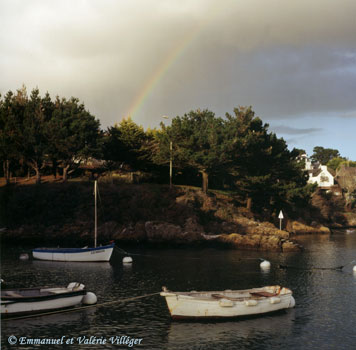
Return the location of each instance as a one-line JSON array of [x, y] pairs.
[[145, 215], [243, 234]]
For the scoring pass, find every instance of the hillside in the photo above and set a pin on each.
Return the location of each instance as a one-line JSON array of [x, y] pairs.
[[63, 213]]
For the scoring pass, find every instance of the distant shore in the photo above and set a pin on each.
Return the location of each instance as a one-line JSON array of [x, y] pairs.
[[55, 214]]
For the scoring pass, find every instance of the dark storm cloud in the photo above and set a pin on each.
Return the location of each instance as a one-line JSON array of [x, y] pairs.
[[286, 59]]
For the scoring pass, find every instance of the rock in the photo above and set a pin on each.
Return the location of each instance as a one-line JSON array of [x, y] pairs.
[[258, 242], [298, 228], [252, 227], [251, 242], [132, 233], [228, 227], [350, 218], [192, 225], [324, 229], [289, 246], [270, 243], [108, 230], [163, 232]]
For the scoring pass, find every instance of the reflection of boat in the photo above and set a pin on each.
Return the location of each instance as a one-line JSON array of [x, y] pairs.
[[81, 266], [40, 299], [270, 326], [102, 253], [228, 303], [37, 324], [351, 230]]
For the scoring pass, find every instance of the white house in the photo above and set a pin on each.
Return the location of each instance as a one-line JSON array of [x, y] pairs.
[[322, 176], [318, 173]]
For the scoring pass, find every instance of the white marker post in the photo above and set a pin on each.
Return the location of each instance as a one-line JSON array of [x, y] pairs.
[[280, 217]]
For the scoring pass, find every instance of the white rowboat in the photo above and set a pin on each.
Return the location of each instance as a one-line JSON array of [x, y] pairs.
[[102, 253], [228, 303], [42, 299]]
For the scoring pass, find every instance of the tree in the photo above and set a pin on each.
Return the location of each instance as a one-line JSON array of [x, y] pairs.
[[346, 178], [8, 144], [299, 151], [198, 141], [248, 152], [39, 132], [124, 143], [34, 140], [75, 134], [265, 171], [23, 131], [324, 155], [335, 163]]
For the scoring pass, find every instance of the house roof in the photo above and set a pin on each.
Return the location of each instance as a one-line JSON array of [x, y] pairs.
[[331, 171], [316, 172]]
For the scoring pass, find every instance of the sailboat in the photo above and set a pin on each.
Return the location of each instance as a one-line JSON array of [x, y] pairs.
[[101, 253]]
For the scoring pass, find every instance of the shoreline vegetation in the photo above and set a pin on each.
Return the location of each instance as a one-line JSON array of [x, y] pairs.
[[56, 213]]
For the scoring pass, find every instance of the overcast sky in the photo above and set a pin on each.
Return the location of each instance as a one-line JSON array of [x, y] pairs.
[[293, 61]]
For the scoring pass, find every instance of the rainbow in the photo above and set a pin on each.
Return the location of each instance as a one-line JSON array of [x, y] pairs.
[[159, 72], [169, 60]]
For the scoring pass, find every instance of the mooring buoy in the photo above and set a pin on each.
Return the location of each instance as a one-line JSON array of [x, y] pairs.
[[127, 260], [265, 265], [89, 299]]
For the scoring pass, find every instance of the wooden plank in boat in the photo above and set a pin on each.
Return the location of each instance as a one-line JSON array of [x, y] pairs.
[[263, 294]]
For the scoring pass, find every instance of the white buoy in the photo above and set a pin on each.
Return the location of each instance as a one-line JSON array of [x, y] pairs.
[[127, 260], [292, 302], [24, 256], [354, 269], [265, 264], [89, 299]]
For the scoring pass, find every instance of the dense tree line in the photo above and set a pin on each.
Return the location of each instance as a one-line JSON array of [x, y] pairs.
[[240, 149], [331, 158], [238, 152], [36, 132]]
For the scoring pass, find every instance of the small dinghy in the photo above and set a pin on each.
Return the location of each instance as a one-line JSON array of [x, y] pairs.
[[42, 299], [228, 303]]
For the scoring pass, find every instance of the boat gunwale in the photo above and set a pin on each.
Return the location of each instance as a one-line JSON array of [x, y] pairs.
[[71, 250], [38, 298], [215, 296]]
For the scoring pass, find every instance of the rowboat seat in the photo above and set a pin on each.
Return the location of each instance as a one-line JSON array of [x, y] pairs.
[[11, 293], [263, 294], [221, 296], [27, 293]]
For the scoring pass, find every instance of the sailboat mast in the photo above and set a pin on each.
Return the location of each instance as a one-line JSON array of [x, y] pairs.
[[96, 219]]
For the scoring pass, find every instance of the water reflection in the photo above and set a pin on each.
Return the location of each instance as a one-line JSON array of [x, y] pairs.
[[41, 324], [186, 334]]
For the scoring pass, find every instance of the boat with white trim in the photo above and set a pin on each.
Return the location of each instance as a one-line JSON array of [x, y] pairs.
[[101, 253], [24, 301], [228, 303]]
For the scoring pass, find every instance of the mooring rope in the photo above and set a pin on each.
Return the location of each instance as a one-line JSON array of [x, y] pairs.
[[81, 307], [122, 251], [315, 268]]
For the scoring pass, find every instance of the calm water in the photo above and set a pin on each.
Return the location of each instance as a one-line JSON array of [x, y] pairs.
[[324, 316]]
